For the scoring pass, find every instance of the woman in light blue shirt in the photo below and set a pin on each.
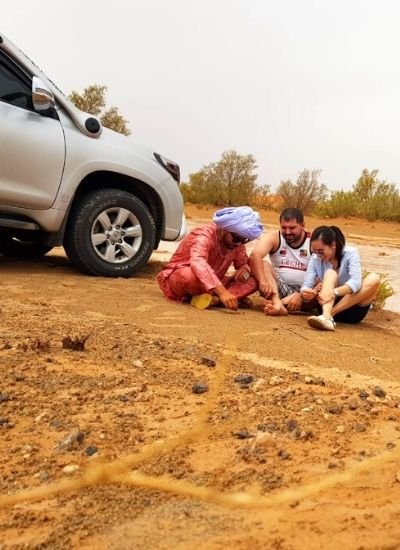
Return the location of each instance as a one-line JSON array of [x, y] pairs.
[[334, 279]]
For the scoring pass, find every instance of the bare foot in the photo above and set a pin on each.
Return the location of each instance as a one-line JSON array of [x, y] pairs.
[[274, 310]]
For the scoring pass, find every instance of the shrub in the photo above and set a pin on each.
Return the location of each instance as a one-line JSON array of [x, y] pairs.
[[385, 290]]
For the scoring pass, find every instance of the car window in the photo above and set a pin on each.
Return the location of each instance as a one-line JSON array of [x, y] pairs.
[[14, 88]]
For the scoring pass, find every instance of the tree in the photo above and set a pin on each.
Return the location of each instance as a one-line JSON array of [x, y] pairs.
[[93, 100], [375, 198], [306, 193], [229, 182]]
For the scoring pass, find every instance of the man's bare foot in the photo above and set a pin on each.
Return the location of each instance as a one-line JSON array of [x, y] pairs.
[[274, 310]]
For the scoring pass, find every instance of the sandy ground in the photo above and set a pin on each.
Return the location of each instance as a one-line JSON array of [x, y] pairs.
[[305, 424]]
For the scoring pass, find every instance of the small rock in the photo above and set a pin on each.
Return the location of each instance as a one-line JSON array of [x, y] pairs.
[[70, 469], [284, 455], [308, 379], [269, 427], [340, 429], [242, 434], [137, 363], [398, 477], [335, 408], [71, 441], [353, 405], [200, 387], [275, 380], [91, 450], [390, 445], [292, 425], [379, 392], [3, 421], [363, 395], [4, 397], [244, 378], [359, 427], [208, 361]]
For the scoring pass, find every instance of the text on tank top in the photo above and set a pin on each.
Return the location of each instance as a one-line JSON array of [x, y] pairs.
[[291, 263]]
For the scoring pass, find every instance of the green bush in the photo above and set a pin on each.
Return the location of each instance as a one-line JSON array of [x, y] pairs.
[[385, 290]]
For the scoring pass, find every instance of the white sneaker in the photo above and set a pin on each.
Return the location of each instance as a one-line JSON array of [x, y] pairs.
[[319, 321]]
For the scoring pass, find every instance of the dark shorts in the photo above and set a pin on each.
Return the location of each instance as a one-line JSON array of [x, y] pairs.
[[353, 315]]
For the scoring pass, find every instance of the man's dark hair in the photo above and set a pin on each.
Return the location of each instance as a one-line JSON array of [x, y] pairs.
[[292, 214]]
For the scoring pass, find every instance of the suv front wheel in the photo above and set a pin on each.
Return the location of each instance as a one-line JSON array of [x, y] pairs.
[[110, 233]]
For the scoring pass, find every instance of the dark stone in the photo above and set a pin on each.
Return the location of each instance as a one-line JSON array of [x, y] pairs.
[[244, 378], [208, 361], [71, 441], [353, 405], [4, 397], [292, 425], [3, 421], [91, 450], [363, 394], [200, 387], [284, 455], [335, 408], [390, 445], [379, 392], [242, 434]]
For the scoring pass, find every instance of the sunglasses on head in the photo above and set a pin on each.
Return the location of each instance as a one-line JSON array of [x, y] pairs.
[[238, 239]]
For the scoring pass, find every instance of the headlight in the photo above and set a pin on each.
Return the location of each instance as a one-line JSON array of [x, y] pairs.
[[170, 166]]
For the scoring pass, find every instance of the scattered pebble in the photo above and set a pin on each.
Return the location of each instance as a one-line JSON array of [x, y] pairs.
[[284, 455], [335, 408], [275, 380], [200, 387], [363, 395], [208, 361], [137, 363], [340, 429], [242, 434], [70, 469], [91, 450], [353, 405], [292, 425], [71, 441], [244, 378], [379, 392], [390, 445]]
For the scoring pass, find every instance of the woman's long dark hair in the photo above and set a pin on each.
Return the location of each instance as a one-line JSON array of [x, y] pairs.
[[328, 235]]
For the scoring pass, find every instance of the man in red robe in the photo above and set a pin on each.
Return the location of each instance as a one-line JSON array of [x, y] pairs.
[[200, 263]]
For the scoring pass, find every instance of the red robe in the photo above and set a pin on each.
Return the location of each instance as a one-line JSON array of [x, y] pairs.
[[200, 264]]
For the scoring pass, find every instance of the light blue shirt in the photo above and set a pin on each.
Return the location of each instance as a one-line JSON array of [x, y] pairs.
[[350, 272]]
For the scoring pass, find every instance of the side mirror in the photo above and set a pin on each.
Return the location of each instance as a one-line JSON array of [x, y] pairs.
[[42, 97]]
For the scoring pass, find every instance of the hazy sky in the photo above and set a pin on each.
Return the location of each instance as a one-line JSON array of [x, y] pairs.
[[297, 83]]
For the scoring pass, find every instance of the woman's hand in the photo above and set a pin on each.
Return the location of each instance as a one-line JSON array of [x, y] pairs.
[[325, 296], [308, 294]]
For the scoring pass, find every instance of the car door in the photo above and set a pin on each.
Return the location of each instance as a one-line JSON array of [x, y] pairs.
[[32, 147]]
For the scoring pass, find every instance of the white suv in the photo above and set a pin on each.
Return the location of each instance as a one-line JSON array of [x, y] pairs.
[[66, 180]]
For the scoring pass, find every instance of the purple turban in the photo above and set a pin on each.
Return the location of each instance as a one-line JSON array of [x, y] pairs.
[[242, 220]]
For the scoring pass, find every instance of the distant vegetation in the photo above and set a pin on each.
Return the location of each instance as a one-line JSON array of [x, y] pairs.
[[233, 181], [93, 100]]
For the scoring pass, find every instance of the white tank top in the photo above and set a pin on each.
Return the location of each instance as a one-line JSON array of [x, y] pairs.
[[291, 263]]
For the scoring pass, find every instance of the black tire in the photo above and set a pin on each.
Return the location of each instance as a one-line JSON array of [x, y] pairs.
[[119, 250], [16, 247]]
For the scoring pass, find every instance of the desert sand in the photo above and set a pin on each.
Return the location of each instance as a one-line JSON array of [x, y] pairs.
[[168, 412]]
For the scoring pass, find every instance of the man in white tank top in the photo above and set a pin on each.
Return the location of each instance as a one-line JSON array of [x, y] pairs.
[[288, 250]]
